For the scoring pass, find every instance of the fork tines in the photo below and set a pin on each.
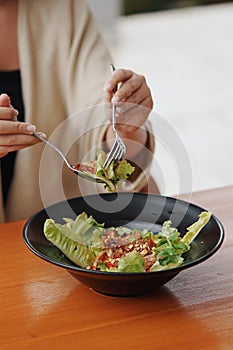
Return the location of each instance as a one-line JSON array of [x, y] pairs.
[[117, 151]]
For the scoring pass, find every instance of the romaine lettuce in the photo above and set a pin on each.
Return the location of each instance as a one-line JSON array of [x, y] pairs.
[[115, 172], [83, 241]]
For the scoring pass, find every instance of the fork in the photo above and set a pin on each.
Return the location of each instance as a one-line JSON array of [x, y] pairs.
[[71, 167], [118, 149]]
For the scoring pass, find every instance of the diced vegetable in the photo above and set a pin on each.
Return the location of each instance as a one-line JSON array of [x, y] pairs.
[[90, 245]]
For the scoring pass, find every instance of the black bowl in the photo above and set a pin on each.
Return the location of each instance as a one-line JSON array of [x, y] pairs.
[[134, 210]]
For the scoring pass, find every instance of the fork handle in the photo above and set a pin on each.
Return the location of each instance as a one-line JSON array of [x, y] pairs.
[[113, 70], [113, 106], [53, 147]]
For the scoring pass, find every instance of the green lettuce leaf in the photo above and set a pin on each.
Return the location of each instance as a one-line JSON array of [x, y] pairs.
[[196, 227], [132, 262], [79, 239], [83, 229], [115, 172], [123, 170], [81, 254], [158, 267], [170, 246]]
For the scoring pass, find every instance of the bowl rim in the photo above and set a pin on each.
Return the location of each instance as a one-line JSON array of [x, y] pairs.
[[76, 268]]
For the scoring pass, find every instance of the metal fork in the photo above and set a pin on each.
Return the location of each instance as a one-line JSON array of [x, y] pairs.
[[118, 149], [73, 168]]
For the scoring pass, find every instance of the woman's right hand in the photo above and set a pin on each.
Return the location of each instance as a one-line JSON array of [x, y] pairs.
[[14, 135]]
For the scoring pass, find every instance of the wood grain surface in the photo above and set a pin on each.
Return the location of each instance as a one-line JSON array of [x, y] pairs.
[[44, 307]]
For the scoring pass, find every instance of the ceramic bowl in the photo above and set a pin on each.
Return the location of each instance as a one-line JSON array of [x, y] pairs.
[[134, 210]]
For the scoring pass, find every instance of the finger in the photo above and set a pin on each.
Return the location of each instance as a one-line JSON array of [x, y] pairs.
[[128, 88], [41, 134], [5, 100], [107, 97], [135, 116], [141, 99], [137, 109], [119, 76], [5, 150], [108, 105], [11, 143], [6, 109], [137, 97], [10, 127], [17, 140], [8, 113]]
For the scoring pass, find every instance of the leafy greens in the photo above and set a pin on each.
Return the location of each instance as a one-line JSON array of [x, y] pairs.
[[120, 249], [110, 176]]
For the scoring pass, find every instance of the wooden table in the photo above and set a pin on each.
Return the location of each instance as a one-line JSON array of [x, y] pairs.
[[44, 307]]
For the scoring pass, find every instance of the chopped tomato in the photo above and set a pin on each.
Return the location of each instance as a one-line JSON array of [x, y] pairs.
[[151, 242], [89, 167]]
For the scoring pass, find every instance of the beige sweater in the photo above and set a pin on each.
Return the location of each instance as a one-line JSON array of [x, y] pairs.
[[63, 64]]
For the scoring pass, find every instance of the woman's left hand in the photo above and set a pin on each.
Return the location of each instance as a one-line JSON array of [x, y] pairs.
[[133, 99]]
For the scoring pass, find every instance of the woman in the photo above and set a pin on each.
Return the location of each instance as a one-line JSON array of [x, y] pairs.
[[53, 63]]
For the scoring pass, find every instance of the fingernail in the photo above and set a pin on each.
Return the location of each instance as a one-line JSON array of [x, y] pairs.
[[31, 128], [119, 110], [107, 87], [15, 112], [115, 99], [42, 135]]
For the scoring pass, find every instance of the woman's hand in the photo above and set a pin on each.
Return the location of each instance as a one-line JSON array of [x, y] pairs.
[[134, 103], [133, 98], [14, 135]]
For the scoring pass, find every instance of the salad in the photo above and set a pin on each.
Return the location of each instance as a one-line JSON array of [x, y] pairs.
[[121, 249], [110, 176]]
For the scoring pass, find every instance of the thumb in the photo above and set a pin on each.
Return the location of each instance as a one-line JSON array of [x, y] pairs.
[[5, 100]]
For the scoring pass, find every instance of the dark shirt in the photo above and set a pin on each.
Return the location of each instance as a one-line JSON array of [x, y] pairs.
[[10, 83]]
